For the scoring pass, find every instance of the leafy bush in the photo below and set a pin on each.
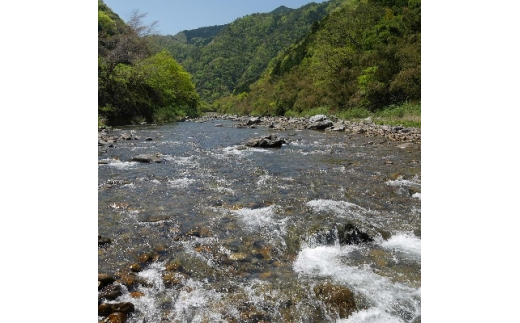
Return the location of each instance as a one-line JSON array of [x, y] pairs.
[[134, 86]]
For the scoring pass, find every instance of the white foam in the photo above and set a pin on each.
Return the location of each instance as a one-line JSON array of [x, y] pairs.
[[336, 207], [264, 220], [194, 302], [121, 164], [372, 315], [414, 182], [148, 303], [257, 218], [153, 275], [386, 298], [224, 190], [263, 179], [181, 182], [184, 161], [221, 185], [417, 195], [404, 242], [233, 150]]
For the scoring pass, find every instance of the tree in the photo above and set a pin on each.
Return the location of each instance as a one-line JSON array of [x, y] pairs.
[[133, 85]]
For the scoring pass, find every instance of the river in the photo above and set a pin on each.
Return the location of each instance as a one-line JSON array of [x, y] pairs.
[[235, 234]]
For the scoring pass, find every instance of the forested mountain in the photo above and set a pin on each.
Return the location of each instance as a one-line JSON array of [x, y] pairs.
[[364, 54], [135, 85], [227, 59], [336, 56]]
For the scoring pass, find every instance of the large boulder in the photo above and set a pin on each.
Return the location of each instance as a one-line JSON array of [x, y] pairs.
[[106, 309], [317, 118], [320, 125], [271, 141], [253, 121], [148, 158]]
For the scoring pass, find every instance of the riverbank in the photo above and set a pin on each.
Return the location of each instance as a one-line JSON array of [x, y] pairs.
[[319, 122]]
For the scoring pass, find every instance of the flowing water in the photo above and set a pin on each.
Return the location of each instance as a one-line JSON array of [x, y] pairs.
[[240, 226]]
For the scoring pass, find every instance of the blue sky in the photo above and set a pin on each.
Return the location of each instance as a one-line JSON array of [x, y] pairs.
[[174, 16]]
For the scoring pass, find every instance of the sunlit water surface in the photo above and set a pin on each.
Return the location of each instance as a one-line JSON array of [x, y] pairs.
[[242, 224]]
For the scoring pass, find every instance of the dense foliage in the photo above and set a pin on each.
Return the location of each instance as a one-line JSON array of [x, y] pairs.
[[135, 85], [228, 59], [365, 54], [347, 57]]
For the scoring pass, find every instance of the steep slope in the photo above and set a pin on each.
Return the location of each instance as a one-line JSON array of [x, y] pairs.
[[365, 54], [135, 85], [230, 60]]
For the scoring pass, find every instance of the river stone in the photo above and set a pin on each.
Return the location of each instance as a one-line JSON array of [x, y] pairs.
[[238, 256], [317, 118], [253, 121], [147, 257], [129, 279], [349, 234], [102, 241], [111, 292], [271, 141], [136, 268], [148, 158], [344, 234], [171, 279], [136, 294], [116, 317], [106, 309], [173, 266], [337, 127], [105, 280], [320, 125], [338, 299]]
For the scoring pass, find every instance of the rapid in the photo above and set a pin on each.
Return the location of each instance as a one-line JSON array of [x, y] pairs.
[[222, 232]]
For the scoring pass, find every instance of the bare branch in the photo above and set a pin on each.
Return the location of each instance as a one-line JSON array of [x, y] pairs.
[[140, 28]]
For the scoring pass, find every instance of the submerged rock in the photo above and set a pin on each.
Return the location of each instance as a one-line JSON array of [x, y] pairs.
[[148, 158], [344, 234], [110, 292], [106, 309], [105, 280], [338, 299], [147, 257], [103, 241], [116, 317], [349, 234]]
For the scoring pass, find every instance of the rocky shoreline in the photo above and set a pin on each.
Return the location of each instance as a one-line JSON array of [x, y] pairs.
[[319, 122]]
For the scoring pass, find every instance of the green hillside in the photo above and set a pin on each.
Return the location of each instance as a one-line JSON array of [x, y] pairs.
[[134, 84], [228, 59], [364, 55], [352, 58]]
